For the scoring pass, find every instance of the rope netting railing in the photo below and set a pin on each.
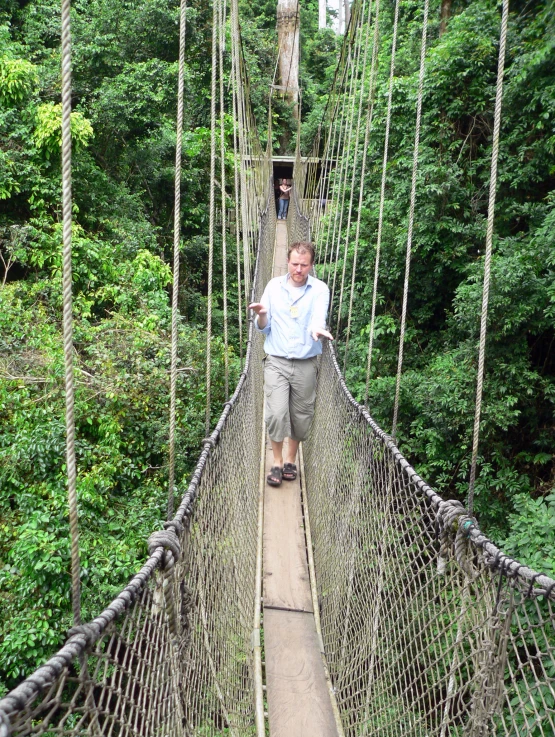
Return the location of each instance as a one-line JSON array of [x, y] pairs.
[[298, 224], [173, 654], [428, 628]]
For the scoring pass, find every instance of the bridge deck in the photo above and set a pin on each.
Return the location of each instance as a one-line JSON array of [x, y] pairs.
[[297, 691]]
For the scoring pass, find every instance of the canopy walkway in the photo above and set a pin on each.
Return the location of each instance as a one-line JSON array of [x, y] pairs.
[[360, 604]]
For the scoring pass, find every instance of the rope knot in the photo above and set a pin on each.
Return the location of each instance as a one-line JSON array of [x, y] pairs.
[[462, 545], [91, 631], [169, 540], [447, 523], [175, 525]]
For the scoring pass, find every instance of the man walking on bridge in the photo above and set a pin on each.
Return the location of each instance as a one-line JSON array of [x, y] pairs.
[[292, 315]]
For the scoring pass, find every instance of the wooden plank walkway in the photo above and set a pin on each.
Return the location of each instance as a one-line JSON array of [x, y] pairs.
[[297, 691]]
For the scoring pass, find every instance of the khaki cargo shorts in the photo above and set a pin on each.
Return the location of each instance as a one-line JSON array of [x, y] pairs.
[[290, 394]]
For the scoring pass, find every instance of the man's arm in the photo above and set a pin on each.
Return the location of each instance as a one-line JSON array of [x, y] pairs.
[[262, 312], [319, 314]]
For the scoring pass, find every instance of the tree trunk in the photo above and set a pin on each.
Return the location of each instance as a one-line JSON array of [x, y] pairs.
[[445, 15], [322, 14], [288, 40]]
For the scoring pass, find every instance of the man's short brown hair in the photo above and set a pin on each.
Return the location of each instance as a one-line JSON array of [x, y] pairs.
[[302, 247]]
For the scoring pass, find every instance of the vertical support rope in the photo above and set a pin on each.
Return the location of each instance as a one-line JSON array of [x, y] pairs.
[[237, 206], [326, 178], [356, 152], [382, 201], [369, 119], [340, 127], [411, 216], [176, 241], [345, 156], [489, 246], [211, 223], [241, 118], [330, 114], [68, 312], [222, 182], [334, 136]]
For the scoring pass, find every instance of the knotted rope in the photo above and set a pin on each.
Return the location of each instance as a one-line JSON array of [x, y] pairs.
[[489, 247], [212, 213], [176, 242], [68, 312], [411, 217], [169, 540], [382, 203]]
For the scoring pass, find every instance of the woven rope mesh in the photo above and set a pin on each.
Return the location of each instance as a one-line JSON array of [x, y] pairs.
[[172, 654], [427, 629], [298, 224], [223, 549]]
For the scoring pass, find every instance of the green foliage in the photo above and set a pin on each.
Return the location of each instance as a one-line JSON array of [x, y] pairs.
[[18, 78], [438, 385], [125, 76], [48, 131], [121, 422], [125, 72], [532, 525]]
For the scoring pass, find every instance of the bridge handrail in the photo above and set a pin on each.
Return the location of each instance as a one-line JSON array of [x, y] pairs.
[[83, 638]]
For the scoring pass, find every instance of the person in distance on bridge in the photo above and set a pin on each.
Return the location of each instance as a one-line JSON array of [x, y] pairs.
[[292, 315], [283, 202]]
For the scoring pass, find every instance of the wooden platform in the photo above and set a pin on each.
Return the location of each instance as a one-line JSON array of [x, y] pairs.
[[286, 580], [298, 695]]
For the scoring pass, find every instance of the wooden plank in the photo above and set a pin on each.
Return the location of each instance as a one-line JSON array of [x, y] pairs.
[[297, 692], [299, 702], [286, 579], [280, 254]]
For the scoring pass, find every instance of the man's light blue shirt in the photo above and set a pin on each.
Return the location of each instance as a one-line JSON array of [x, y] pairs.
[[293, 314]]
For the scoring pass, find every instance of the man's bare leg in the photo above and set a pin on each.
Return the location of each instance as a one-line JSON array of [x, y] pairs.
[[292, 449], [277, 449]]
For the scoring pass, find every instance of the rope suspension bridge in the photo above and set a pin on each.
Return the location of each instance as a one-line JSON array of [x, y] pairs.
[[422, 626]]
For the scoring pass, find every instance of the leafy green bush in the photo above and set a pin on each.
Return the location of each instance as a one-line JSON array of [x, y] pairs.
[[122, 385], [48, 131]]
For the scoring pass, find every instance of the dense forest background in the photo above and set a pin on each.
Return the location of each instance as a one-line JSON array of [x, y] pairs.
[[515, 499], [125, 78]]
